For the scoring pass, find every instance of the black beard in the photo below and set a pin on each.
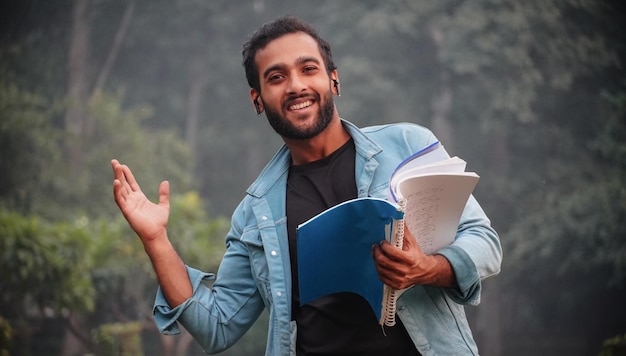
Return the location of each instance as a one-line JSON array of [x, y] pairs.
[[286, 130]]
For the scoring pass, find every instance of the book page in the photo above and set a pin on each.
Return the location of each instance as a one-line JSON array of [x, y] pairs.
[[433, 153], [429, 154], [434, 206], [450, 165]]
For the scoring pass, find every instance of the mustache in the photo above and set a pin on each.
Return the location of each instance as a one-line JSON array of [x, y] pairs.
[[290, 99]]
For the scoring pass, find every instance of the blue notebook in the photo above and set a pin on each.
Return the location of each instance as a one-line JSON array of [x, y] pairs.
[[335, 250]]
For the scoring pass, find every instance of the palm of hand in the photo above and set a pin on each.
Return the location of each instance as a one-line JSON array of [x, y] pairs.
[[149, 220], [145, 217]]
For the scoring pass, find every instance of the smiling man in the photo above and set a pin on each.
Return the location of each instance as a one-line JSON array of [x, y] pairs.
[[325, 161]]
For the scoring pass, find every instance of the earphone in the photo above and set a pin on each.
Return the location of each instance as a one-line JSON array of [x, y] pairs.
[[336, 85]]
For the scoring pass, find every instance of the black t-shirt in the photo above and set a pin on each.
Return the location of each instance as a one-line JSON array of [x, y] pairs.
[[342, 323]]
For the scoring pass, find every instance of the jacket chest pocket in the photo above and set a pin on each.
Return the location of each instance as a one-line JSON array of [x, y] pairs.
[[258, 262]]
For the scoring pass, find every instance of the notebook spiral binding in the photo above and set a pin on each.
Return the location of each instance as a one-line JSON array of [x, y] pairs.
[[390, 294]]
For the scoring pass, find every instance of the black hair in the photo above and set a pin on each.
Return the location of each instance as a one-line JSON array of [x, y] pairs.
[[273, 30]]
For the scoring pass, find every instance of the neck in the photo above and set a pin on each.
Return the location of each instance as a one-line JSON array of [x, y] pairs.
[[320, 146]]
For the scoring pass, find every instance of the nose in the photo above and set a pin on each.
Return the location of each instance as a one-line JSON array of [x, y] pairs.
[[297, 84]]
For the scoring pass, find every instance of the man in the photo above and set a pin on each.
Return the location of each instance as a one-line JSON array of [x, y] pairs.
[[325, 160]]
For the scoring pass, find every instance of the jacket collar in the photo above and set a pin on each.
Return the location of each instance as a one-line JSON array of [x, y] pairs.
[[277, 168]]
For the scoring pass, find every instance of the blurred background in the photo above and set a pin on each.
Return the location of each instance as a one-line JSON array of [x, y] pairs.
[[532, 94]]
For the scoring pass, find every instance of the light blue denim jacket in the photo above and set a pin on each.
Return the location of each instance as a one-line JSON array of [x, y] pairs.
[[255, 273]]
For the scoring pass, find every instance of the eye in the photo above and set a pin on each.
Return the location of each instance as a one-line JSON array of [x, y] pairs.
[[309, 69], [274, 78]]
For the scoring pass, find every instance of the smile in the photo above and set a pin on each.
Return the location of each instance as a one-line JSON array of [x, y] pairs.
[[302, 105]]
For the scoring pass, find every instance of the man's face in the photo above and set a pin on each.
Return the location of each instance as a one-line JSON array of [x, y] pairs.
[[296, 90]]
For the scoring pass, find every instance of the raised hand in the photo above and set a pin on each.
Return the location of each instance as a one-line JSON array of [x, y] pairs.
[[149, 220]]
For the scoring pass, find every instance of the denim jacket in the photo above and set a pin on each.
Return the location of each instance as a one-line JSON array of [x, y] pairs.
[[255, 271]]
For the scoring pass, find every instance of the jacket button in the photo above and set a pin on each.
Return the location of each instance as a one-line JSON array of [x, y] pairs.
[[274, 253], [279, 294]]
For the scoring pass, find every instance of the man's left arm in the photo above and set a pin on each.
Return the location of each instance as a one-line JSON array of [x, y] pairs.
[[475, 254]]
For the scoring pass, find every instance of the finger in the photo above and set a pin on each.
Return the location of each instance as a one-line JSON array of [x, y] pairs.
[[117, 170], [408, 240], [121, 176], [389, 271], [376, 253], [130, 178], [390, 251], [386, 274], [410, 245], [118, 192], [384, 262], [164, 193], [379, 257]]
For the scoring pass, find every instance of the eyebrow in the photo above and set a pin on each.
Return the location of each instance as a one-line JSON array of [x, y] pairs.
[[299, 60]]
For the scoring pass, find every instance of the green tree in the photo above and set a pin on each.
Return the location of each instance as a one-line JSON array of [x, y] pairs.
[[27, 144], [44, 270]]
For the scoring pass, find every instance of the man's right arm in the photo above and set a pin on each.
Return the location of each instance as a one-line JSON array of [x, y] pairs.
[[149, 221]]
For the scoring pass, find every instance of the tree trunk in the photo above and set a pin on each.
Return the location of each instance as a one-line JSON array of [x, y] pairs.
[[116, 46], [76, 113], [197, 90], [74, 342], [441, 104]]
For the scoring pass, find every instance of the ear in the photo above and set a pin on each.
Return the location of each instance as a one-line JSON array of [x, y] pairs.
[[334, 77], [255, 97]]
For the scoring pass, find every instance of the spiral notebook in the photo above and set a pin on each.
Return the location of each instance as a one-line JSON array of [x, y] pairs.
[[334, 247]]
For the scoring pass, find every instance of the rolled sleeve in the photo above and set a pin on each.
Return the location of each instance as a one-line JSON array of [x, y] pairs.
[[474, 255], [165, 316], [467, 277]]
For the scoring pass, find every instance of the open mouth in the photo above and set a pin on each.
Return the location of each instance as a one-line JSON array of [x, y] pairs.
[[300, 106]]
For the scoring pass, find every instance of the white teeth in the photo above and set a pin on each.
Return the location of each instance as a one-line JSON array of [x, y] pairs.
[[301, 105]]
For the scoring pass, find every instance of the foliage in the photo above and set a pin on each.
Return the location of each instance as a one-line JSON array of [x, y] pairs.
[[5, 337], [28, 145], [124, 134], [94, 267], [119, 339], [198, 239], [43, 265], [112, 260], [122, 269], [42, 184], [566, 237], [615, 346], [590, 224]]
